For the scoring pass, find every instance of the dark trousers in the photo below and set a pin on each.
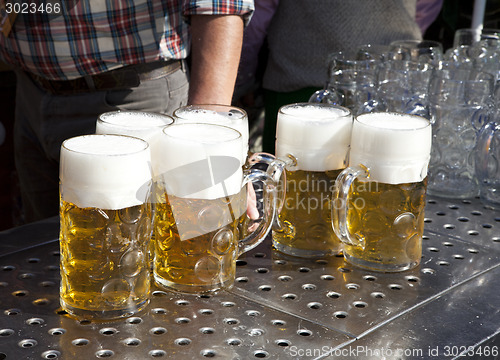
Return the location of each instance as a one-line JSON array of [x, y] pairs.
[[44, 120]]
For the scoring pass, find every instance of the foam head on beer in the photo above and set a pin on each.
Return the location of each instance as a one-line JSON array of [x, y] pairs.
[[143, 125], [105, 171], [214, 114], [317, 135], [200, 161], [394, 147], [229, 116]]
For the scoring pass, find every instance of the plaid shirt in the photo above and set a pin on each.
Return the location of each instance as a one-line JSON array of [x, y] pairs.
[[94, 36]]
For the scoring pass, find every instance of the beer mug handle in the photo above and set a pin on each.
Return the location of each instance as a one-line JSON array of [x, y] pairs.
[[328, 95], [482, 149], [269, 210], [340, 203], [275, 168]]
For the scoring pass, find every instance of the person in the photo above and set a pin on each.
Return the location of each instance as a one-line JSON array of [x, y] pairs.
[[86, 57], [301, 35]]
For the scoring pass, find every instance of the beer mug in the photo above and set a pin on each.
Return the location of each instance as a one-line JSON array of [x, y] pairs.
[[424, 51], [144, 125], [460, 103], [351, 83], [402, 86], [313, 141], [201, 206], [487, 164], [226, 115], [105, 225], [379, 200]]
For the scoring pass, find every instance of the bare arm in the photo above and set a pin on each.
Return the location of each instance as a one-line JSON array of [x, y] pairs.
[[216, 49]]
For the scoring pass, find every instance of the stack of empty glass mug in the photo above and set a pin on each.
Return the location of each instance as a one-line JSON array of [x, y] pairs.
[[456, 90]]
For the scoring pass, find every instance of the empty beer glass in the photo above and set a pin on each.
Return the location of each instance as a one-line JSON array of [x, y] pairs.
[[459, 105], [313, 141], [379, 200], [428, 51], [105, 226], [487, 163], [402, 86], [201, 205], [478, 48], [351, 83]]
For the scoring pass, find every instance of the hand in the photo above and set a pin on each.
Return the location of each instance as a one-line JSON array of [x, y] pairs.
[[252, 211]]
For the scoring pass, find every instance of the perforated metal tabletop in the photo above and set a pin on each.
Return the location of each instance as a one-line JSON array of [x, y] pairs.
[[280, 307]]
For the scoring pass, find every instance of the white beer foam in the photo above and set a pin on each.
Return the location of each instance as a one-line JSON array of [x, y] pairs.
[[394, 147], [144, 125], [226, 116], [105, 171], [200, 161], [316, 135]]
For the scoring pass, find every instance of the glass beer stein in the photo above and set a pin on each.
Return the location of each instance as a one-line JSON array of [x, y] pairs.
[[487, 164], [201, 206], [379, 200], [313, 141], [145, 125], [105, 226], [460, 103]]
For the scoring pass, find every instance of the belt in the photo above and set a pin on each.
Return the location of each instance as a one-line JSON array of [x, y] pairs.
[[126, 77]]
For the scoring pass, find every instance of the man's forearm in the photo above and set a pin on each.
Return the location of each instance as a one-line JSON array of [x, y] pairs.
[[216, 49]]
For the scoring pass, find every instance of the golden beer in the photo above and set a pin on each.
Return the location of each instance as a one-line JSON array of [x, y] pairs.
[[196, 241], [200, 198], [388, 221], [305, 219], [379, 200], [105, 225], [313, 141], [104, 263]]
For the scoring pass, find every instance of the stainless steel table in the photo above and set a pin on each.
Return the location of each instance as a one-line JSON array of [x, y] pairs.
[[280, 307]]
